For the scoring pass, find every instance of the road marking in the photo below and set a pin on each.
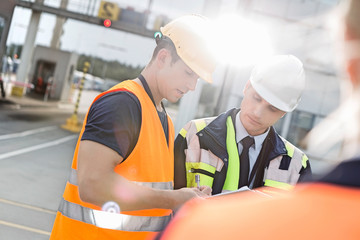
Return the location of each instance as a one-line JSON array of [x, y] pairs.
[[9, 224], [37, 147], [27, 133], [23, 205]]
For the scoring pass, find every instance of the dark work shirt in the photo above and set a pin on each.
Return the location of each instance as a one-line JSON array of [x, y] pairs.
[[114, 120]]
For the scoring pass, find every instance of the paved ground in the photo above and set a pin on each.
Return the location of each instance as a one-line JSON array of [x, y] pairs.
[[35, 158]]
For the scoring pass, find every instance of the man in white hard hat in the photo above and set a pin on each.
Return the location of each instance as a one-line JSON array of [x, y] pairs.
[[240, 148], [325, 209], [123, 160]]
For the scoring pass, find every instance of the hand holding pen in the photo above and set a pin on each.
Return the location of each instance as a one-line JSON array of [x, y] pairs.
[[197, 180]]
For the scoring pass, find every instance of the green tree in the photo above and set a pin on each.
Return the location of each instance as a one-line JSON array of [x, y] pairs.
[[108, 69]]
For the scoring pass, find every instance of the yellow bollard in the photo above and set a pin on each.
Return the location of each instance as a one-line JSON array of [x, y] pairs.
[[72, 123]]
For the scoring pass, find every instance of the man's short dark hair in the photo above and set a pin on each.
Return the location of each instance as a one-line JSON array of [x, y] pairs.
[[165, 42]]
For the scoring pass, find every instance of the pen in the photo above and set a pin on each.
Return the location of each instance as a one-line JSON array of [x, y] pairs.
[[197, 180]]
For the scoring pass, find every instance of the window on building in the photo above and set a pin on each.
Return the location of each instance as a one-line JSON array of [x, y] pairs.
[[2, 23], [279, 125], [301, 123]]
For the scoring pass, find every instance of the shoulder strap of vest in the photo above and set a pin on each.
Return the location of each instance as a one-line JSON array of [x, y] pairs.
[[294, 151], [195, 126]]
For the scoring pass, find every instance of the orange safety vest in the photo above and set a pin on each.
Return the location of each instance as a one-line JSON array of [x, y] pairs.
[[151, 164], [312, 211]]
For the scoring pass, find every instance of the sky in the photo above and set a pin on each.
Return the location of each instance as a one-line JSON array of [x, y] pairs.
[[99, 41]]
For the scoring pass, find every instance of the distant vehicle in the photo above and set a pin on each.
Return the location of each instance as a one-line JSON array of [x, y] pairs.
[[91, 82], [108, 84]]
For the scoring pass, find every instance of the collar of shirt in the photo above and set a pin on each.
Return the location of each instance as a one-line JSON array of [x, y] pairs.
[[241, 133]]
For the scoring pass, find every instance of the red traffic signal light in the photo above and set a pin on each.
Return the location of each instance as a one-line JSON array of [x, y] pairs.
[[107, 23]]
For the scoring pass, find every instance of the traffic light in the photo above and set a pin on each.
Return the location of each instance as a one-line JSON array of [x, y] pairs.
[[107, 23]]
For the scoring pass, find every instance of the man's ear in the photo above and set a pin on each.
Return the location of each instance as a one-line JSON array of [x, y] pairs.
[[162, 56], [247, 85], [353, 69]]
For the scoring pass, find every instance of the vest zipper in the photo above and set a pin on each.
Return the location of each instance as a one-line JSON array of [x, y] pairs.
[[194, 170]]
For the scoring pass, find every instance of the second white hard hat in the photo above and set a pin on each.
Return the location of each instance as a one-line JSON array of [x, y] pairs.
[[280, 80], [190, 34]]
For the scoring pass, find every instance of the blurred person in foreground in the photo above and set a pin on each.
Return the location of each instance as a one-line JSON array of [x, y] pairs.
[[240, 149], [121, 180], [327, 208]]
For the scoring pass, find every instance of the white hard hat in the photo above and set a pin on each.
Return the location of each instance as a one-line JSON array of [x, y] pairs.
[[280, 80], [190, 34]]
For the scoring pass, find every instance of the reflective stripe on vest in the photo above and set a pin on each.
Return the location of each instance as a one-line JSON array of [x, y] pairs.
[[205, 171], [198, 159], [200, 124], [112, 220], [195, 126], [290, 149], [209, 164], [277, 184], [73, 177], [293, 150], [183, 132], [304, 161], [233, 171], [275, 177], [212, 163]]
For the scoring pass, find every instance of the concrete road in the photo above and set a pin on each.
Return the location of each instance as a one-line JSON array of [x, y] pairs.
[[34, 165], [35, 159]]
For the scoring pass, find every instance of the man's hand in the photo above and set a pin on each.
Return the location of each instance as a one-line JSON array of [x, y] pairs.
[[185, 194], [206, 190]]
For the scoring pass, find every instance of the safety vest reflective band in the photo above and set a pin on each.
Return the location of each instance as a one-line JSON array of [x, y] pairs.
[[200, 124], [283, 179], [304, 160], [277, 184], [232, 174], [150, 164], [183, 132], [112, 220], [233, 171], [291, 149], [209, 162], [206, 172], [73, 177]]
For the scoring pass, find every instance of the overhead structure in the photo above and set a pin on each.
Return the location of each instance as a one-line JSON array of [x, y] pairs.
[[122, 19]]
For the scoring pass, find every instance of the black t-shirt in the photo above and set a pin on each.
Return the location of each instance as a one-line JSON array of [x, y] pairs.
[[114, 120]]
